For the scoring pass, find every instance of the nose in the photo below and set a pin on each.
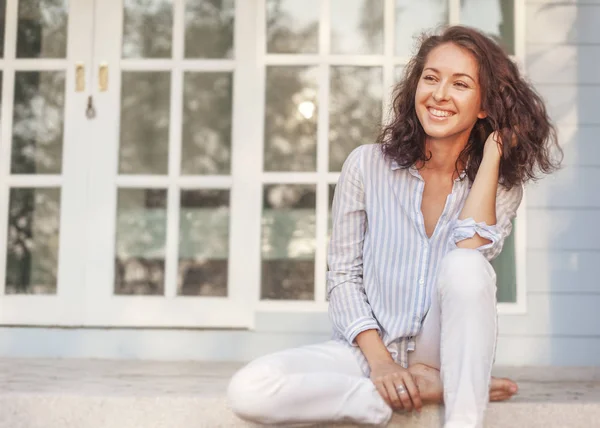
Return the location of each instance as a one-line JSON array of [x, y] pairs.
[[440, 93]]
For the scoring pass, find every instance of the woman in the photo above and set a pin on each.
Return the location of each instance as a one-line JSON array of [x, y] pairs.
[[416, 220]]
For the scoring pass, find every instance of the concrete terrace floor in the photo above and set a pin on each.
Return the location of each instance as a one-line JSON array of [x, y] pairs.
[[122, 394]]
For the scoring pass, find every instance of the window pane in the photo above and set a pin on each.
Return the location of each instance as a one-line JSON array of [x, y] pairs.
[[209, 28], [506, 273], [355, 110], [357, 27], [2, 26], [38, 122], [291, 116], [147, 28], [293, 26], [414, 17], [494, 17], [145, 101], [288, 242], [42, 28], [206, 137], [203, 243], [33, 235], [140, 241]]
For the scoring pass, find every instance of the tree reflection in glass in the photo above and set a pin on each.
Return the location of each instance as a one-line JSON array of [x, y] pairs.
[[144, 131], [41, 28], [203, 242], [33, 237], [494, 17], [412, 18], [209, 26], [357, 27], [147, 28], [140, 241], [206, 133], [291, 119], [354, 112], [292, 26], [38, 116], [288, 242]]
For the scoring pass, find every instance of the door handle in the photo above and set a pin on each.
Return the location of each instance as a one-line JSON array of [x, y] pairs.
[[103, 77], [79, 77]]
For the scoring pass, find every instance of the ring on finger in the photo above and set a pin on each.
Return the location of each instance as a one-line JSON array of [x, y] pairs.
[[400, 389]]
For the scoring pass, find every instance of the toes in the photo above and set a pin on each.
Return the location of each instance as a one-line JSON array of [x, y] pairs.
[[505, 385]]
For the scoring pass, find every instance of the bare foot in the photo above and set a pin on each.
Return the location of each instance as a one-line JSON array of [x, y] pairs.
[[429, 383], [431, 388], [502, 389]]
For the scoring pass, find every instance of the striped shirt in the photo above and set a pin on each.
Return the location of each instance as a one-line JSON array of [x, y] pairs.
[[382, 265]]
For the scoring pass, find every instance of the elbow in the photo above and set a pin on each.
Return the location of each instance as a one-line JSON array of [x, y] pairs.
[[475, 242]]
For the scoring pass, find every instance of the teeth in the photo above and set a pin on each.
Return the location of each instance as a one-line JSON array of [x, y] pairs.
[[440, 113]]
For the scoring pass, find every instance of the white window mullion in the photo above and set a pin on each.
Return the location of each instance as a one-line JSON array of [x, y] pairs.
[[322, 207], [177, 64], [325, 28], [6, 122], [520, 28], [173, 197], [454, 12], [247, 156]]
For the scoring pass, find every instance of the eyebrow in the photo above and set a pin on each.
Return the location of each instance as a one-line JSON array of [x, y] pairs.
[[454, 75]]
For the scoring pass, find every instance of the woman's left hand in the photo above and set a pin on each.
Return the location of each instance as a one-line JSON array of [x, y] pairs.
[[494, 144]]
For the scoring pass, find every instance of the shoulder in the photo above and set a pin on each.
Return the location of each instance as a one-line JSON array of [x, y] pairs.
[[510, 199], [366, 156]]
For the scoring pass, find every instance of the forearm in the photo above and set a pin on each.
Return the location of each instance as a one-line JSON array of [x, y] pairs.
[[481, 201], [373, 347]]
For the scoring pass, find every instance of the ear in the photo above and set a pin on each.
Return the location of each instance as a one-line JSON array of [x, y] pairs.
[[482, 115]]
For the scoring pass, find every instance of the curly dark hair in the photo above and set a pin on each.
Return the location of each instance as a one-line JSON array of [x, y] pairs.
[[513, 108]]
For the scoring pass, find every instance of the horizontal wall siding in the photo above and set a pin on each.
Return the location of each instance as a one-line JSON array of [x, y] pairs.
[[561, 325], [556, 271], [580, 145], [571, 187], [563, 229], [571, 105]]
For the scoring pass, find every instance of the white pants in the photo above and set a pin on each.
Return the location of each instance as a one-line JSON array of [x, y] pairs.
[[324, 382]]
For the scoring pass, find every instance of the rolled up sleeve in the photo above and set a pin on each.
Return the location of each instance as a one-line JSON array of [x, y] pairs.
[[507, 204], [349, 308]]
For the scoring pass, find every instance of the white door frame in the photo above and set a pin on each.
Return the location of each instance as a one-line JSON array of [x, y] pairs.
[[103, 308], [64, 307]]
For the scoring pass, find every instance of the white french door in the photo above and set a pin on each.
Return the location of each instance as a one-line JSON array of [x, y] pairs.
[[43, 140], [166, 188]]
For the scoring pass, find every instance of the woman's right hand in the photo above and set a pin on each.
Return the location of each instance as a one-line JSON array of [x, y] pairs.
[[396, 385]]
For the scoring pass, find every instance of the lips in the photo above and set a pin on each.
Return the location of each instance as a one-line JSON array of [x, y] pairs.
[[439, 114]]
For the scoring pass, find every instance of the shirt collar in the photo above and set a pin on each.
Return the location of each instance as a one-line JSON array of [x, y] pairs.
[[415, 172]]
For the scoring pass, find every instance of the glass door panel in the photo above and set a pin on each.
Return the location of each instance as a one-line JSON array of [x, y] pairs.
[[42, 172], [163, 178]]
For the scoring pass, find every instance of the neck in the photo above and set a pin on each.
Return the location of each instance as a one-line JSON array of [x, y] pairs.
[[444, 154]]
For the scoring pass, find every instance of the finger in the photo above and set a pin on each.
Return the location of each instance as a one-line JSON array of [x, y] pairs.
[[382, 391], [413, 391], [393, 394], [405, 396]]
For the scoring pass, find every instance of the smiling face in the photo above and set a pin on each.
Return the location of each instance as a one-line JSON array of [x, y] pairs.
[[448, 96]]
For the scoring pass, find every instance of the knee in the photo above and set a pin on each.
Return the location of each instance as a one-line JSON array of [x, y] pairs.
[[466, 273], [250, 391]]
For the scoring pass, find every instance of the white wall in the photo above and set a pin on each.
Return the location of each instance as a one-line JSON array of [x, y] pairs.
[[562, 324]]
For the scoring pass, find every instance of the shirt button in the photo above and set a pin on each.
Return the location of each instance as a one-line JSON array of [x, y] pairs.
[[421, 281]]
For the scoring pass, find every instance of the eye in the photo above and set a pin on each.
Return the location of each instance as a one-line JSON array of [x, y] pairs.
[[429, 78], [461, 84]]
